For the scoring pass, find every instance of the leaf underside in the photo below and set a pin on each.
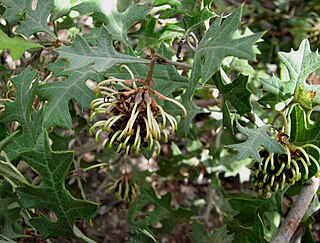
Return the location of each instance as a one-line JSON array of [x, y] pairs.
[[297, 66]]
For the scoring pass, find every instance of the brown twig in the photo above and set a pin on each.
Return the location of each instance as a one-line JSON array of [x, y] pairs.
[[166, 61], [297, 211], [153, 62], [281, 113]]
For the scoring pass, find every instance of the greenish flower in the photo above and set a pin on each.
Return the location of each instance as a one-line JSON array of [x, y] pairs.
[[276, 169], [132, 116]]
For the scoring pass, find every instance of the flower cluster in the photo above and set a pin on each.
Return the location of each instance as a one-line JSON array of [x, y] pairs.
[[132, 116], [124, 188], [276, 170]]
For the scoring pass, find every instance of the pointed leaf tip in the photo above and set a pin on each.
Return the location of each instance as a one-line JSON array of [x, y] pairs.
[[256, 137]]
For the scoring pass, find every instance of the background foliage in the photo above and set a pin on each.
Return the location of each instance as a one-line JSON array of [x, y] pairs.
[[236, 68]]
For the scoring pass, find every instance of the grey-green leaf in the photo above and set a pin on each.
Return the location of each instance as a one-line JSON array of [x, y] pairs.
[[297, 66], [103, 56], [256, 138], [219, 42], [51, 194], [36, 20]]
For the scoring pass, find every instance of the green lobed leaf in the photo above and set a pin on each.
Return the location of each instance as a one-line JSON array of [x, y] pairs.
[[90, 7], [218, 235], [21, 111], [248, 225], [270, 99], [17, 45], [59, 94], [218, 43], [33, 21], [147, 34], [15, 9], [303, 131], [163, 212], [256, 137], [192, 15], [236, 94], [116, 22], [51, 194], [120, 22], [100, 58], [296, 67], [196, 18], [150, 36], [9, 212]]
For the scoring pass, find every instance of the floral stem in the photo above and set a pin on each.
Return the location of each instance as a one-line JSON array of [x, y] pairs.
[[153, 62], [281, 113], [163, 60]]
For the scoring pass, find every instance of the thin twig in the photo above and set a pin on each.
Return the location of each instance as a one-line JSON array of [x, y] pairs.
[[78, 179], [166, 61], [297, 211], [209, 203], [153, 62], [281, 113]]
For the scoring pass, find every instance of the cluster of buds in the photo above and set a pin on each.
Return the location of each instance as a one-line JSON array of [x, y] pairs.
[[132, 116], [125, 190], [278, 169]]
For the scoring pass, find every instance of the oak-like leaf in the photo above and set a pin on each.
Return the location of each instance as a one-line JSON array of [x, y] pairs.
[[117, 22], [304, 131], [297, 66], [32, 21], [9, 212], [218, 235], [220, 41], [51, 193], [58, 94], [248, 225], [22, 112], [256, 137], [236, 93], [17, 45], [163, 211], [99, 58]]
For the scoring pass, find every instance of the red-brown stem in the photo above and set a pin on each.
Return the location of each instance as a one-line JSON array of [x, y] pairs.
[[160, 96], [153, 62]]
